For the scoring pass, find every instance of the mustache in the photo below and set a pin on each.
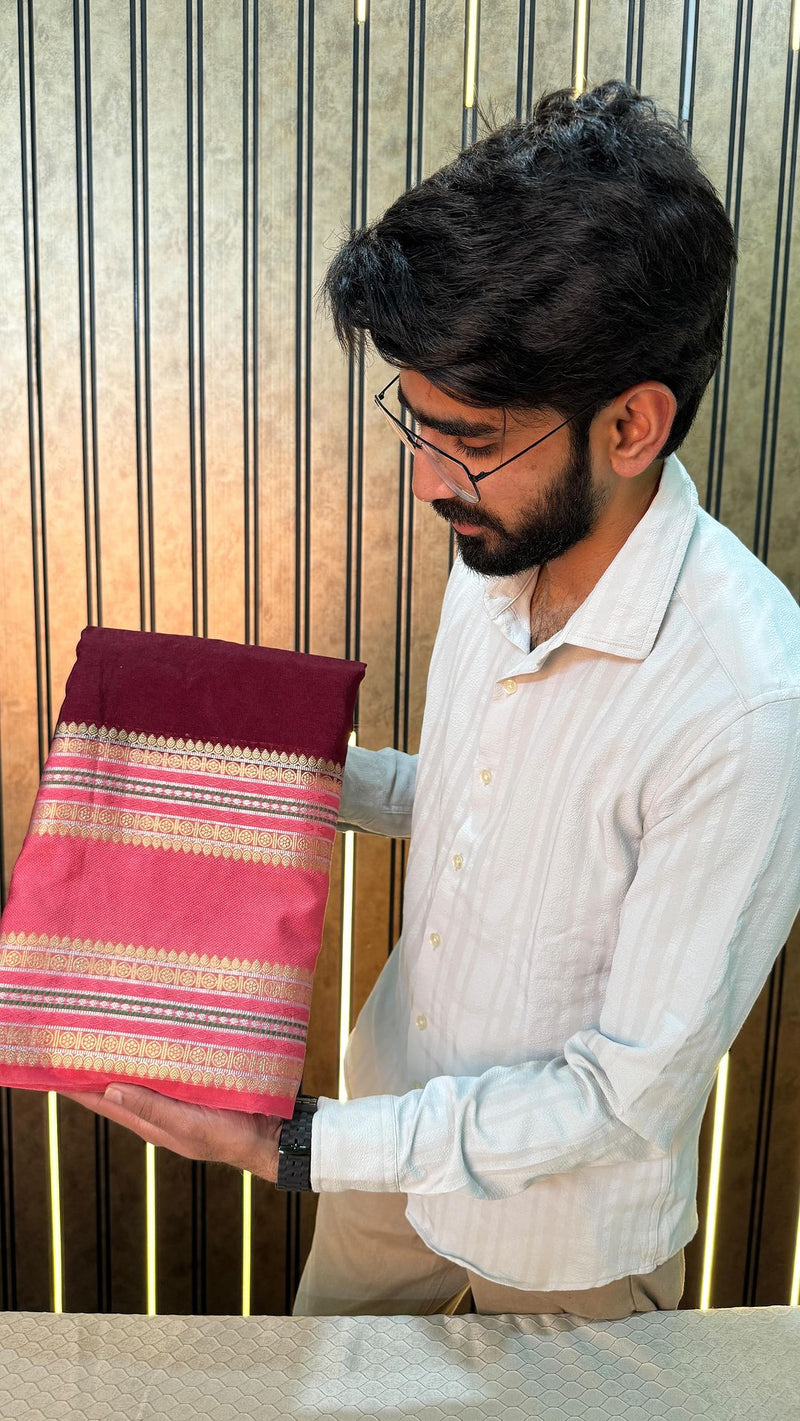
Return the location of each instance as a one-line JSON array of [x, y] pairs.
[[456, 516]]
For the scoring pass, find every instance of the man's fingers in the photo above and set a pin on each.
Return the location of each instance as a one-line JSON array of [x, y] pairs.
[[133, 1117]]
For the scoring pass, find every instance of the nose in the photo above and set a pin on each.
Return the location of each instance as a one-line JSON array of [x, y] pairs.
[[427, 483]]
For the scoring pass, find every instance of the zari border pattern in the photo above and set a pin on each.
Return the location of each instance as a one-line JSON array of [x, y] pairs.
[[129, 962], [150, 1058]]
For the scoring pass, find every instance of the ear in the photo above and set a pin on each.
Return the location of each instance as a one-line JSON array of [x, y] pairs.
[[637, 425]]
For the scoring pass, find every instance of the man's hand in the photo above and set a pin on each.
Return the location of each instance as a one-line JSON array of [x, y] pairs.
[[197, 1132]]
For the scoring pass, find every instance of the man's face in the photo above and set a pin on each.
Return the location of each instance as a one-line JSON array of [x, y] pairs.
[[531, 512]]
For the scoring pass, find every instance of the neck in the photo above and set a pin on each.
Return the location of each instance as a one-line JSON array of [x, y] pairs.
[[568, 580]]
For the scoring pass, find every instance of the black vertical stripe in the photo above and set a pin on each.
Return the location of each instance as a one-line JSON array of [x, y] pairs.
[[8, 1274], [199, 1181], [190, 278], [629, 41], [351, 363], [298, 333], [102, 1185], [199, 1237], [201, 317], [733, 194], [77, 88], [464, 113], [102, 1159], [473, 115], [691, 18], [87, 309], [303, 402], [531, 47], [249, 312], [415, 136], [362, 219], [777, 314], [405, 497], [196, 314], [151, 569], [640, 45], [255, 249], [33, 317], [245, 310], [307, 315], [137, 361], [520, 60], [33, 326], [87, 70], [305, 139], [769, 1065], [359, 154]]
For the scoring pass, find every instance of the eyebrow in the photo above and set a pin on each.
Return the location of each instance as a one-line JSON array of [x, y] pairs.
[[464, 428]]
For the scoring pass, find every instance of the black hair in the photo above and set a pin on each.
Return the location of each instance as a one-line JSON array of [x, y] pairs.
[[551, 265]]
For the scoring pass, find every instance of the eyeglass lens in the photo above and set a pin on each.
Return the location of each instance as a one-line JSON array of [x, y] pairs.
[[449, 470]]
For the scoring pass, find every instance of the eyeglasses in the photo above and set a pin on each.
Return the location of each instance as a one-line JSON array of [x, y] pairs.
[[451, 470]]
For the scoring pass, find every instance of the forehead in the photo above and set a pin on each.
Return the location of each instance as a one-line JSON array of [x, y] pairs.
[[434, 409]]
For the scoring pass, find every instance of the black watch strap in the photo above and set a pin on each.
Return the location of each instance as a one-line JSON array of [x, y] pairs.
[[294, 1146]]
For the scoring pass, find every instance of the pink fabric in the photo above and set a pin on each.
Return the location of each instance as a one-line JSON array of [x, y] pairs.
[[166, 911]]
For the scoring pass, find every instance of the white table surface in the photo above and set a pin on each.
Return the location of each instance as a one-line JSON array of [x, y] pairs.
[[723, 1365]]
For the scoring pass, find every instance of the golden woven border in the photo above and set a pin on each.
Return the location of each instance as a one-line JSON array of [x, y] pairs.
[[125, 962], [150, 1058], [197, 756], [112, 824]]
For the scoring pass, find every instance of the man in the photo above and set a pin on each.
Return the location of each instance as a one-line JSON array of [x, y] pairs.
[[605, 810]]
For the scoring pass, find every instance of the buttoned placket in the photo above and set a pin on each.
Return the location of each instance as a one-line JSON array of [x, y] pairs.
[[480, 804]]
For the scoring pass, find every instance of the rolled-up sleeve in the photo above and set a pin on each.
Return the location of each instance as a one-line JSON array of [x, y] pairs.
[[378, 792], [713, 899]]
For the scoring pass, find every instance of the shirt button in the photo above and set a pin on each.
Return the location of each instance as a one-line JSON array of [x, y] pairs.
[[422, 1022], [435, 939], [486, 776], [457, 860], [510, 685]]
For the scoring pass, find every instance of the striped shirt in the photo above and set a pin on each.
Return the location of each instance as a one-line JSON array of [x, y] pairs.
[[604, 863]]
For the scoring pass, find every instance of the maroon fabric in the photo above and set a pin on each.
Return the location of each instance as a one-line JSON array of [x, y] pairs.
[[201, 688], [166, 910]]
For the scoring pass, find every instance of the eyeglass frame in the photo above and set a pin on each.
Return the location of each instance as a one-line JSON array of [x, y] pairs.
[[473, 478]]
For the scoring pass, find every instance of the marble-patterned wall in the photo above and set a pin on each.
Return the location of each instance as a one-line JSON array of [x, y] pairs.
[[185, 449]]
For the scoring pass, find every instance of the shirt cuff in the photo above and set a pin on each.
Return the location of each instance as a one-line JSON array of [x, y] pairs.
[[354, 1145]]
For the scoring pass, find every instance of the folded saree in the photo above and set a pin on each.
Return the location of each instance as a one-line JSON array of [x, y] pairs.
[[165, 913]]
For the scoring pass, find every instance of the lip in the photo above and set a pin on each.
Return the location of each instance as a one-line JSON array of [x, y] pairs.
[[466, 527]]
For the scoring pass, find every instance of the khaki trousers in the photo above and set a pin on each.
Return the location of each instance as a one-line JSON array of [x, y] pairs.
[[366, 1258]]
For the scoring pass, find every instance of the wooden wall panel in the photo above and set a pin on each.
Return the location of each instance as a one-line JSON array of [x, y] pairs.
[[185, 449]]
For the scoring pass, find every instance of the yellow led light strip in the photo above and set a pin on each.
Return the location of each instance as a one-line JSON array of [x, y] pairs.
[[57, 1245], [713, 1182], [796, 25], [247, 1239], [581, 44], [794, 1297], [472, 54], [150, 1164], [345, 997]]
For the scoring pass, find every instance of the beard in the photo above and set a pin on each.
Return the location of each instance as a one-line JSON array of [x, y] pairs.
[[564, 513]]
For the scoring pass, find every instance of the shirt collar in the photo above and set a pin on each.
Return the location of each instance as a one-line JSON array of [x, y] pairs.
[[624, 610]]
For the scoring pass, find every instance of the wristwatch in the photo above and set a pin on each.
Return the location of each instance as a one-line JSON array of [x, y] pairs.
[[294, 1146]]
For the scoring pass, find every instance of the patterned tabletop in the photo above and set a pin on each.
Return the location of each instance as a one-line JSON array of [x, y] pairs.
[[723, 1365]]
